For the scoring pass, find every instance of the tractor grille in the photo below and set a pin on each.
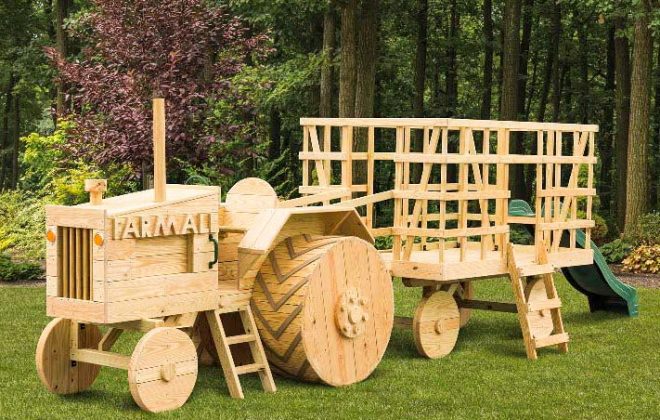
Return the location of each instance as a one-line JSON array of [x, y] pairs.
[[75, 263]]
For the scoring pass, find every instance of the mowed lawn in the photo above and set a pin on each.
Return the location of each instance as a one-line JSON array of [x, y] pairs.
[[612, 371]]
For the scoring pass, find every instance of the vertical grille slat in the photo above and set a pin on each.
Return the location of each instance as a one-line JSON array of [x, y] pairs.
[[72, 262], [75, 263]]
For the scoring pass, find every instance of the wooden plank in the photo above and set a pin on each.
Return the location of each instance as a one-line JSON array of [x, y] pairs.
[[81, 310], [102, 358], [131, 310], [487, 305], [551, 340], [544, 304], [453, 123], [75, 217]]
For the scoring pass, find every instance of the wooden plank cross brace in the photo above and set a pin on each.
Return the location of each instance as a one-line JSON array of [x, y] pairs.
[[559, 337], [251, 336]]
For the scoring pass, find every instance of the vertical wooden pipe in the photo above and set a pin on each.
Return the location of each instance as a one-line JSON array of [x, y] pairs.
[[160, 177]]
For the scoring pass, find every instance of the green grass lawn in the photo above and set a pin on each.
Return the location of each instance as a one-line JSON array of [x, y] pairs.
[[612, 371]]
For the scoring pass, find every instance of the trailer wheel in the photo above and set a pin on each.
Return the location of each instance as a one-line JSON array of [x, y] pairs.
[[540, 322], [163, 370], [436, 324], [57, 371], [465, 290]]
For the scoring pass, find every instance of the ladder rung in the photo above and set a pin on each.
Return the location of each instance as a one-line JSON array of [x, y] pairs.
[[242, 338], [544, 304], [535, 269], [251, 368], [551, 340]]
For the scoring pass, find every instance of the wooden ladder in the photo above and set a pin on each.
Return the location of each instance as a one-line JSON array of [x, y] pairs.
[[251, 336], [559, 337]]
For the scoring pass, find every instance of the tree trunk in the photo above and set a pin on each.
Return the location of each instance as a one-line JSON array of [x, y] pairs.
[[523, 64], [347, 70], [61, 14], [452, 65], [365, 88], [489, 40], [275, 134], [654, 198], [607, 132], [638, 136], [558, 78], [622, 112], [421, 17], [17, 140], [584, 101], [552, 61], [327, 70], [366, 59], [6, 137], [509, 96], [518, 139]]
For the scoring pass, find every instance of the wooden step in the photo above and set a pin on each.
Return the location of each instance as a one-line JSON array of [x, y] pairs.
[[544, 304], [250, 368], [242, 338], [528, 270], [551, 340]]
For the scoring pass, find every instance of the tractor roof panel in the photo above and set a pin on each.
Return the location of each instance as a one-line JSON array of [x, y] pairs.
[[144, 200]]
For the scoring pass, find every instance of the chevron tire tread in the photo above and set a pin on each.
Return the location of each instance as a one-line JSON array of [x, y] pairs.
[[294, 289]]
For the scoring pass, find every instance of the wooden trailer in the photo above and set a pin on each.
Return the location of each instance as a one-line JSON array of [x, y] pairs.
[[446, 211], [209, 280]]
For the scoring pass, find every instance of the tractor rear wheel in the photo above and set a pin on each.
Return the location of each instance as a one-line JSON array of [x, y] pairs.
[[324, 308]]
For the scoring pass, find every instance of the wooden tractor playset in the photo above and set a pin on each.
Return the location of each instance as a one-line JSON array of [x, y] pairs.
[[255, 283]]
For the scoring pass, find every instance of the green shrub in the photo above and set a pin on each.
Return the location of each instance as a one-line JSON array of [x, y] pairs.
[[14, 271], [519, 235], [22, 226], [49, 172], [643, 259], [615, 251], [384, 242], [646, 231]]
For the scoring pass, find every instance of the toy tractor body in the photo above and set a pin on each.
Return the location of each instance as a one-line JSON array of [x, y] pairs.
[[243, 283]]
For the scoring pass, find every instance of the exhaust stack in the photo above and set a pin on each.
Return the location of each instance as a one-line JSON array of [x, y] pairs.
[[160, 174]]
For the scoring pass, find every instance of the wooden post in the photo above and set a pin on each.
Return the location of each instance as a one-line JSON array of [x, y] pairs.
[[96, 188], [160, 176]]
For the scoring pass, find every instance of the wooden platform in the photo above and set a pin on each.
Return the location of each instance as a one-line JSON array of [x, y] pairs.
[[424, 265]]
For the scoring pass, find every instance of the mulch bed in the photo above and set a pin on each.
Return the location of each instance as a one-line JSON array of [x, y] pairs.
[[23, 283], [637, 280]]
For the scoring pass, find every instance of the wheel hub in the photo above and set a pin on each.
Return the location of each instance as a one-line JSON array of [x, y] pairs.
[[351, 313]]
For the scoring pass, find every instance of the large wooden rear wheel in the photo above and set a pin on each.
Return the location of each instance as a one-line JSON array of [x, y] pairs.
[[57, 371], [540, 322], [163, 370], [436, 324], [324, 308]]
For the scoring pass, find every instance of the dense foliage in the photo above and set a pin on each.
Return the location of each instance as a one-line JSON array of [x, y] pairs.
[[238, 74], [615, 251], [184, 50]]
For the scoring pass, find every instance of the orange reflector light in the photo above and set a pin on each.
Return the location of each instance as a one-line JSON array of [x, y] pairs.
[[50, 235], [98, 240]]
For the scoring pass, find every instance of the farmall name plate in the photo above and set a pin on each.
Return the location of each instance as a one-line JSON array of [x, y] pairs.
[[147, 226]]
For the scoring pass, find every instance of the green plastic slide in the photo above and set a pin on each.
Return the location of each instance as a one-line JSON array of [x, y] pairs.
[[596, 281]]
